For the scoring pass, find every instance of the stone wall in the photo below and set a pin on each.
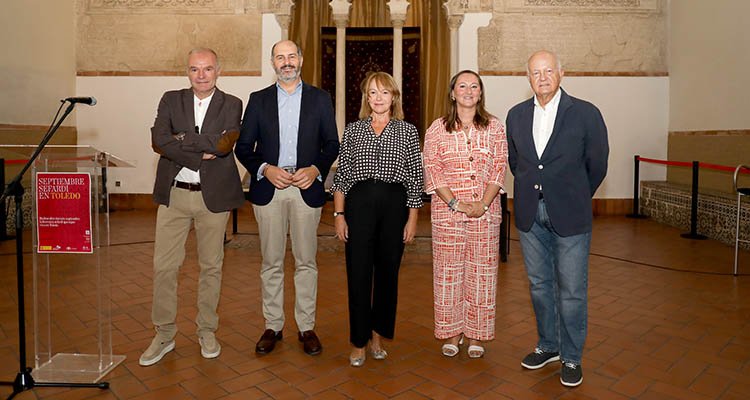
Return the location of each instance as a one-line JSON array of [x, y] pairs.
[[592, 37], [153, 37]]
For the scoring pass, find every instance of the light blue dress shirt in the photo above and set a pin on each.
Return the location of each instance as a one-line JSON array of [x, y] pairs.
[[288, 108]]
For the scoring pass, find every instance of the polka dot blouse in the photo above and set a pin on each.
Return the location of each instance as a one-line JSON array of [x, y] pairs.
[[393, 157]]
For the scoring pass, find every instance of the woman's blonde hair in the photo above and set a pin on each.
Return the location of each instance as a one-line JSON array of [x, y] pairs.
[[385, 81]]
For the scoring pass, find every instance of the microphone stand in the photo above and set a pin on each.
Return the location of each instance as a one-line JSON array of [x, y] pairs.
[[24, 380]]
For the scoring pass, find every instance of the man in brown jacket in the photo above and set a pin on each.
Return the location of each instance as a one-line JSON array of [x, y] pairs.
[[197, 182]]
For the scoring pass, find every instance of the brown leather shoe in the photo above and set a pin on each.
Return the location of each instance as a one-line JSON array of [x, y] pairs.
[[310, 342], [267, 342]]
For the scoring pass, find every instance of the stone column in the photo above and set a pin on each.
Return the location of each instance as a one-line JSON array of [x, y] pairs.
[[398, 17], [454, 11], [283, 21], [340, 9], [454, 22], [282, 9]]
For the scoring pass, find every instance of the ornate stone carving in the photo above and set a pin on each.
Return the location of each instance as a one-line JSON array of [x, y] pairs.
[[467, 6], [340, 12], [630, 40], [153, 3], [583, 3], [596, 6], [154, 39], [284, 21], [455, 21], [398, 10], [166, 6], [277, 7]]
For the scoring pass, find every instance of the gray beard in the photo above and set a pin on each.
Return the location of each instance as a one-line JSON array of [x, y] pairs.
[[287, 78]]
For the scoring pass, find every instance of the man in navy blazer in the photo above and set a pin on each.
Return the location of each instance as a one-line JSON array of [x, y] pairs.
[[288, 143], [557, 151]]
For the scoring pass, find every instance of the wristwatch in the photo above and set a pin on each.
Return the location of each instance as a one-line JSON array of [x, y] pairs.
[[453, 204], [337, 213]]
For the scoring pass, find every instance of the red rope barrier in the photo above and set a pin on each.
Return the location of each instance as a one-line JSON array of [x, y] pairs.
[[665, 162], [689, 164], [721, 167]]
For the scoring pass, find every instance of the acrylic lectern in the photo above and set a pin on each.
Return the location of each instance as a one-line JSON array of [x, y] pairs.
[[71, 263]]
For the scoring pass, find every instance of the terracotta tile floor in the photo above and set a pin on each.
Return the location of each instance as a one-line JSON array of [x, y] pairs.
[[666, 321]]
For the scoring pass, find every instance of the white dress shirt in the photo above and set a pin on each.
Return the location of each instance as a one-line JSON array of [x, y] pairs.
[[200, 106], [544, 122]]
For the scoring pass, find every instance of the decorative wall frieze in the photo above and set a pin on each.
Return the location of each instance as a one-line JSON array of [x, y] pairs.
[[278, 7], [168, 6], [152, 37], [592, 37], [580, 6], [454, 7], [583, 3]]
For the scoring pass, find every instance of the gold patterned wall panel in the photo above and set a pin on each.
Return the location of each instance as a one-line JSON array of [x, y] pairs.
[[592, 37], [152, 37]]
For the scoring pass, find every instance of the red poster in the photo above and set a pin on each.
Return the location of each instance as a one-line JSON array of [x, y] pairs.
[[63, 209]]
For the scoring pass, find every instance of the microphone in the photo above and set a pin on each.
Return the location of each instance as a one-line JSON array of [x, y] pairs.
[[83, 100]]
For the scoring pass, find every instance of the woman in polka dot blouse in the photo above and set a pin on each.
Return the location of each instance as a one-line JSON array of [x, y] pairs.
[[377, 192]]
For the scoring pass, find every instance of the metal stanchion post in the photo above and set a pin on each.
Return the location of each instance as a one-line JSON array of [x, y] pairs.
[[693, 234], [504, 228], [636, 188]]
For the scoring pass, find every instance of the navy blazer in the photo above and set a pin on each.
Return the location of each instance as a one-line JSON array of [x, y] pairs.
[[317, 140], [572, 167]]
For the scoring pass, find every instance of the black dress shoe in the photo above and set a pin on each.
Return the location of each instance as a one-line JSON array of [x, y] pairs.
[[267, 342], [310, 342]]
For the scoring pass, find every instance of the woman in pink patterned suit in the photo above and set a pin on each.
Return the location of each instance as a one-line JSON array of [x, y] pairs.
[[465, 156]]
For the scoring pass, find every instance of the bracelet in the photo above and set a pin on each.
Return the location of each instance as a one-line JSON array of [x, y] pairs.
[[452, 204]]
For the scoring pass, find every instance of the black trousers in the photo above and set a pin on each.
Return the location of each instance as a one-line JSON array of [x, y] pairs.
[[376, 214]]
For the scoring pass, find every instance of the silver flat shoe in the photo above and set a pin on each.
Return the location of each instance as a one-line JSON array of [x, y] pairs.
[[379, 354], [357, 361]]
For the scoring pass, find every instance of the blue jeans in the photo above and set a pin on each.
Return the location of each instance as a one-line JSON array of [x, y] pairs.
[[557, 268]]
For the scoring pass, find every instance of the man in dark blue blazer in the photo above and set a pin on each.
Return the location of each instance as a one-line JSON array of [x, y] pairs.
[[288, 143], [557, 151]]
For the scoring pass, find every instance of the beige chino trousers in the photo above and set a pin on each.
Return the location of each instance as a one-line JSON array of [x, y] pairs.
[[288, 213], [172, 228]]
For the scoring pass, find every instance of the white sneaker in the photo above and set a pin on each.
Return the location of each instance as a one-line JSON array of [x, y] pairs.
[[156, 351], [210, 347]]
